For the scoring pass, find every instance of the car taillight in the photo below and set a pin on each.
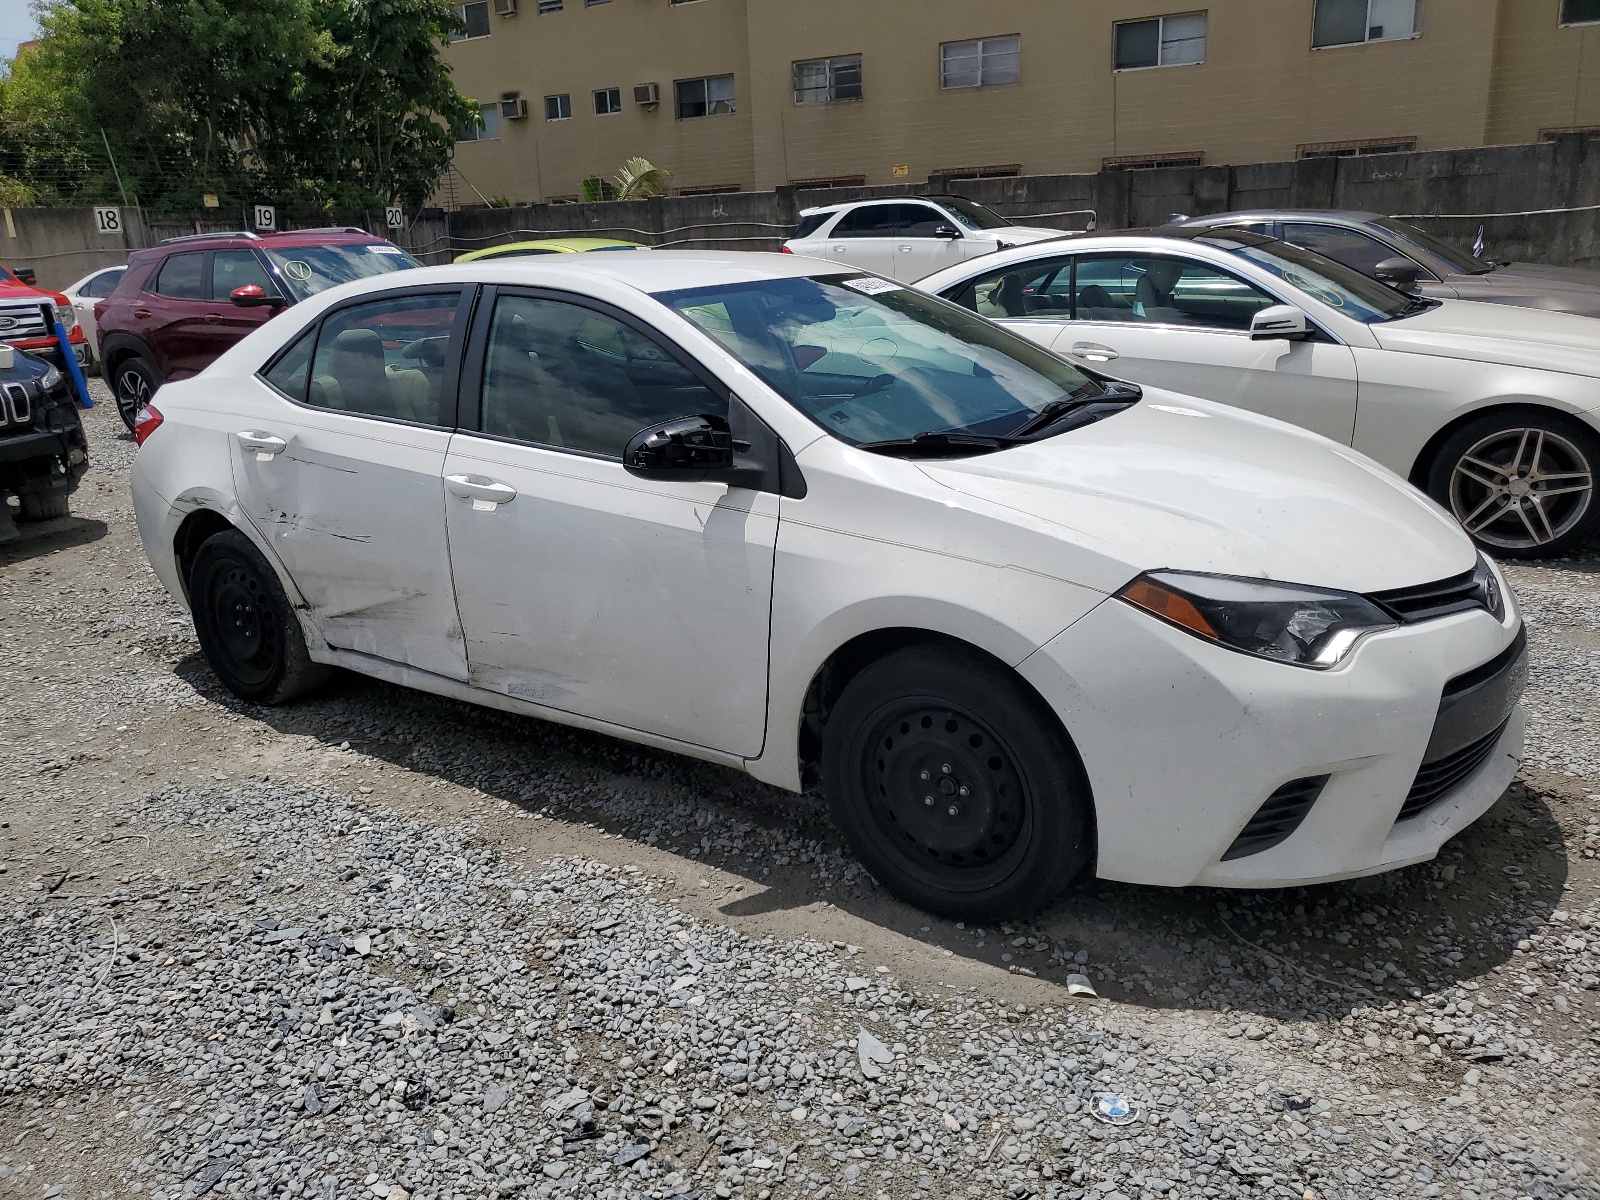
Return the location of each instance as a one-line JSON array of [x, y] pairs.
[[147, 422], [784, 250]]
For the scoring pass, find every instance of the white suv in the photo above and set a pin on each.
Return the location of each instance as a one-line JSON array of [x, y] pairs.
[[908, 237]]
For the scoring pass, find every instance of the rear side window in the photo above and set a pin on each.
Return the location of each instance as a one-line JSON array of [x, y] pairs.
[[292, 370], [809, 225], [183, 277], [386, 359], [875, 220]]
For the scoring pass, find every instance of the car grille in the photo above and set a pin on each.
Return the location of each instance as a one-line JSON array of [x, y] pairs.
[[15, 406], [1442, 776], [1276, 819], [1426, 601], [21, 321]]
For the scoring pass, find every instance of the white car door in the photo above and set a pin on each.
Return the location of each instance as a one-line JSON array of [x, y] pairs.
[[644, 603], [338, 455], [1175, 323]]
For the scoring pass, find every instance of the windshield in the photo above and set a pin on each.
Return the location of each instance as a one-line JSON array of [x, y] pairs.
[[310, 269], [869, 360], [1460, 261], [970, 213], [1335, 284]]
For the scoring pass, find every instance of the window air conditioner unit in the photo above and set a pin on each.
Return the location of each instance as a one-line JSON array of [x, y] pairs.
[[647, 94], [512, 106], [506, 8]]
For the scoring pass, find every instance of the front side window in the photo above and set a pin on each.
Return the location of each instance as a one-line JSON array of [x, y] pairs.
[[827, 80], [1154, 289], [1161, 41], [607, 101], [1041, 289], [385, 358], [1351, 22], [708, 97], [869, 360], [1358, 251], [312, 269], [1580, 12], [982, 63], [1332, 283], [486, 128], [476, 18], [183, 277], [562, 375], [235, 269], [557, 108]]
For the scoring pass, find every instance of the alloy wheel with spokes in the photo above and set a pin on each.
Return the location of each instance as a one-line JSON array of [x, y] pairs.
[[1522, 488], [133, 384]]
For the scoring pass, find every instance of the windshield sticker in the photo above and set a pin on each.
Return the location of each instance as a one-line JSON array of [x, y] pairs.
[[385, 248], [870, 285], [297, 270]]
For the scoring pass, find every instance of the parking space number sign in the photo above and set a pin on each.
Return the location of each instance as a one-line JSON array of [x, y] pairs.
[[108, 220], [266, 217], [394, 217]]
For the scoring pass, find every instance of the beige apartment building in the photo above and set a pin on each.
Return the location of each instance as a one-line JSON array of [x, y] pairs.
[[740, 95]]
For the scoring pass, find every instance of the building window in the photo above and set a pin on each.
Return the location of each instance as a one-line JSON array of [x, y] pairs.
[[1358, 148], [826, 80], [1351, 22], [476, 19], [549, 6], [1145, 162], [1161, 41], [983, 63], [957, 174], [709, 97], [1580, 12], [827, 181], [485, 129], [710, 189], [607, 100], [592, 3], [557, 108]]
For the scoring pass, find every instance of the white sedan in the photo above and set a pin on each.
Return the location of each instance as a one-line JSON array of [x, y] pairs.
[[807, 523], [96, 285], [1494, 411]]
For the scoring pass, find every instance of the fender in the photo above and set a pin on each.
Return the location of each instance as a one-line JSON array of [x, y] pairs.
[[116, 344]]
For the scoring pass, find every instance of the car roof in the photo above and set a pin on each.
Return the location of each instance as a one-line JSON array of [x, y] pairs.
[[1285, 214], [646, 271], [933, 197], [290, 238]]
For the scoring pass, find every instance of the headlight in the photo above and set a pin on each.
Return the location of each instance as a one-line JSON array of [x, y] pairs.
[[1286, 622], [51, 379]]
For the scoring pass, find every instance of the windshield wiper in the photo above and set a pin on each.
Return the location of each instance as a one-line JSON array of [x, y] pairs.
[[1417, 304], [940, 445], [1115, 391]]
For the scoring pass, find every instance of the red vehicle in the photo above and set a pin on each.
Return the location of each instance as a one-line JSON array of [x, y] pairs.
[[183, 302], [22, 325]]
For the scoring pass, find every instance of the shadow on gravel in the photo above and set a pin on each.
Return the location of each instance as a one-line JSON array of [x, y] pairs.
[[1291, 954], [48, 537]]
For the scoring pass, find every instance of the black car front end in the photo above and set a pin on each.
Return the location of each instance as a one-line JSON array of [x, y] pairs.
[[43, 450]]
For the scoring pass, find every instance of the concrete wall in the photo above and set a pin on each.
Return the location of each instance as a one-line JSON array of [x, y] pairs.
[[62, 245]]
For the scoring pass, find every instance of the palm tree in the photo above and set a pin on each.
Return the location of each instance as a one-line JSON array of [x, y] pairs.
[[639, 178]]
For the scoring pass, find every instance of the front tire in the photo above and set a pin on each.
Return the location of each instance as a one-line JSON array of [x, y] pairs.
[[955, 786], [1521, 483], [133, 383], [246, 627]]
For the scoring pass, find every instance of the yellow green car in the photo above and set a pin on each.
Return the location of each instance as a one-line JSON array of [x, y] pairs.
[[576, 245]]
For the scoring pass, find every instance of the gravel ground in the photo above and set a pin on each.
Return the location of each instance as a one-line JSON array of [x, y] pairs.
[[380, 944]]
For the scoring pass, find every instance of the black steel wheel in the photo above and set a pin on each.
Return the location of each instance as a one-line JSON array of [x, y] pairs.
[[133, 383], [246, 628], [955, 785]]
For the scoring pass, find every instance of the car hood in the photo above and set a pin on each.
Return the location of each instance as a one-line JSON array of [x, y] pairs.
[[1498, 333], [1533, 285], [1186, 484], [22, 291]]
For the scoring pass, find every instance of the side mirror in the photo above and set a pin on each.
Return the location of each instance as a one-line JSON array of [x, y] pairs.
[[684, 447], [1280, 322], [26, 275], [1398, 272], [949, 232], [253, 295]]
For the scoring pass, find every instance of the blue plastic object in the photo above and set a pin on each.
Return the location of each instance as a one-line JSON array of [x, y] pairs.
[[80, 385]]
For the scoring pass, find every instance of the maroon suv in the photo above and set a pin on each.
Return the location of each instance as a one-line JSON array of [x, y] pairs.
[[182, 303]]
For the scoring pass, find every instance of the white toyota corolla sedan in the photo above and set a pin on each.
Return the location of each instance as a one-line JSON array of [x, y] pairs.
[[1493, 410], [800, 520]]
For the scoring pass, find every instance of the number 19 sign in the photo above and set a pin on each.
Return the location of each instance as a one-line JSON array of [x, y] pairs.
[[266, 216]]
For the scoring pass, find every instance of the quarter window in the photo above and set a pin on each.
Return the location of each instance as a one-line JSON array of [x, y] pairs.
[[104, 283], [476, 19], [183, 277], [386, 359], [235, 269], [557, 108], [293, 368], [708, 97], [827, 80], [1580, 12], [1147, 289], [562, 375], [1351, 22], [1161, 41], [1040, 289], [607, 101], [982, 63]]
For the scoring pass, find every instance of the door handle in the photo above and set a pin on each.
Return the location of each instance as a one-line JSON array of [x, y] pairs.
[[486, 494], [141, 312], [1092, 352], [213, 318], [264, 444]]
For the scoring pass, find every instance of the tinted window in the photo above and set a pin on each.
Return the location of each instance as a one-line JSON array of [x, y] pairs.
[[1164, 291], [922, 221], [563, 375], [290, 372], [386, 358], [883, 220], [103, 284], [1334, 284], [1355, 250], [809, 225], [235, 269], [1035, 289], [183, 277]]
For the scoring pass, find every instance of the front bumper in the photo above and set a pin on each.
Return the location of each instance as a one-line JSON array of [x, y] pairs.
[[1183, 741]]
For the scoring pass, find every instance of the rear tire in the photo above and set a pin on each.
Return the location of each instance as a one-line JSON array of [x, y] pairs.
[[955, 786], [133, 382], [1521, 483], [247, 630], [43, 506]]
